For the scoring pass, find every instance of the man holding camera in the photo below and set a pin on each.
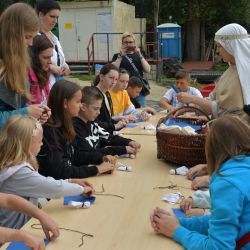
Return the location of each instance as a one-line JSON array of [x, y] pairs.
[[131, 59]]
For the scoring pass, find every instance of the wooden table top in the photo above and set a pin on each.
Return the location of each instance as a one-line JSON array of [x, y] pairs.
[[139, 129], [120, 223]]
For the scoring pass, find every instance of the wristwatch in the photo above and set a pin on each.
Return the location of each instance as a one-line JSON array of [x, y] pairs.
[[119, 55], [141, 57]]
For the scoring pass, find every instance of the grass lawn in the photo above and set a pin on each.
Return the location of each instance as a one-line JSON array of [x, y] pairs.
[[83, 77]]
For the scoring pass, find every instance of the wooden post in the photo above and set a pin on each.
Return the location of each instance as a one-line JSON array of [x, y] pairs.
[[156, 11]]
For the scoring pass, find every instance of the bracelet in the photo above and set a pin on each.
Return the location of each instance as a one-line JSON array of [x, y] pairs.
[[141, 57]]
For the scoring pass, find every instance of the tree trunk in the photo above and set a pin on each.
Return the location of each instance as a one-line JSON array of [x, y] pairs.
[[203, 42], [192, 40], [156, 13]]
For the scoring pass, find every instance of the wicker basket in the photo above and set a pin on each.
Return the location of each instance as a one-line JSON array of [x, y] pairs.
[[187, 150]]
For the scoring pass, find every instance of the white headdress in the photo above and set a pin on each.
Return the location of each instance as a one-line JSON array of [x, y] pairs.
[[235, 40]]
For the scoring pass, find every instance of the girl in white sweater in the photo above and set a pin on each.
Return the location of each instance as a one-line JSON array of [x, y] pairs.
[[20, 142]]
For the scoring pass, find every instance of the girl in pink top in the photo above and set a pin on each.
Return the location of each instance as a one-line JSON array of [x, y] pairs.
[[41, 52]]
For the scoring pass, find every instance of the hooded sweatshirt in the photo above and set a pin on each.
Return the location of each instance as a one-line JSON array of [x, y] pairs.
[[97, 142], [104, 118], [59, 159], [24, 181], [230, 210]]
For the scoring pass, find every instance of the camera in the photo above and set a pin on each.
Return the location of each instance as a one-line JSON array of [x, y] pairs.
[[130, 48]]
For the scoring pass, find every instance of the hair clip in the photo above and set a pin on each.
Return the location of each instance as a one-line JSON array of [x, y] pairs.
[[37, 129]]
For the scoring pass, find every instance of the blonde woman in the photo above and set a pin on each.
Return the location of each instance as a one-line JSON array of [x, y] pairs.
[[18, 25], [20, 142], [132, 59]]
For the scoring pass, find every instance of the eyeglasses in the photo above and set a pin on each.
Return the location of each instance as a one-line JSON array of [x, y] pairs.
[[128, 42]]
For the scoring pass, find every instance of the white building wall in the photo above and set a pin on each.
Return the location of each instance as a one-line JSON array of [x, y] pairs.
[[79, 20], [124, 20]]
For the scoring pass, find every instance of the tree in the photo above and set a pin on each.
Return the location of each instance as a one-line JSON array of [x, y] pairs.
[[4, 4], [200, 19], [205, 17]]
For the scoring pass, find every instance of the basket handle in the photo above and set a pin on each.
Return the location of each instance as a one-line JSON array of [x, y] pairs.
[[160, 121], [203, 112], [182, 108]]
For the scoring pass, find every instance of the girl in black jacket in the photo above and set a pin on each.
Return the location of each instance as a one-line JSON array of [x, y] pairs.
[[104, 81], [58, 157]]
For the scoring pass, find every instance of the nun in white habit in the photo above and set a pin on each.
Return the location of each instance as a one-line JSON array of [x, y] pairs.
[[232, 91]]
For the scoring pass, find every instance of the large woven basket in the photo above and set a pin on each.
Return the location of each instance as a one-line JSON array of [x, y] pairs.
[[187, 150]]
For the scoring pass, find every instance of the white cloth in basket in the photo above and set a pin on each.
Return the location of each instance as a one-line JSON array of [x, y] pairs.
[[187, 130]]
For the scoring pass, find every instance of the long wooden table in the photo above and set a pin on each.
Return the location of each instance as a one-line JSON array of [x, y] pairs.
[[120, 223], [138, 130]]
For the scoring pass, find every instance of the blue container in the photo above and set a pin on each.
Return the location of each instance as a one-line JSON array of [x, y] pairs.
[[169, 41]]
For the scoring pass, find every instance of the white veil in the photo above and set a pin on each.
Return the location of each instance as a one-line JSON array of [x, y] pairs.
[[235, 40]]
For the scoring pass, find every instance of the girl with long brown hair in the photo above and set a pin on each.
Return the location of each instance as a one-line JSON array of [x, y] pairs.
[[58, 157], [18, 25], [107, 78], [41, 52]]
